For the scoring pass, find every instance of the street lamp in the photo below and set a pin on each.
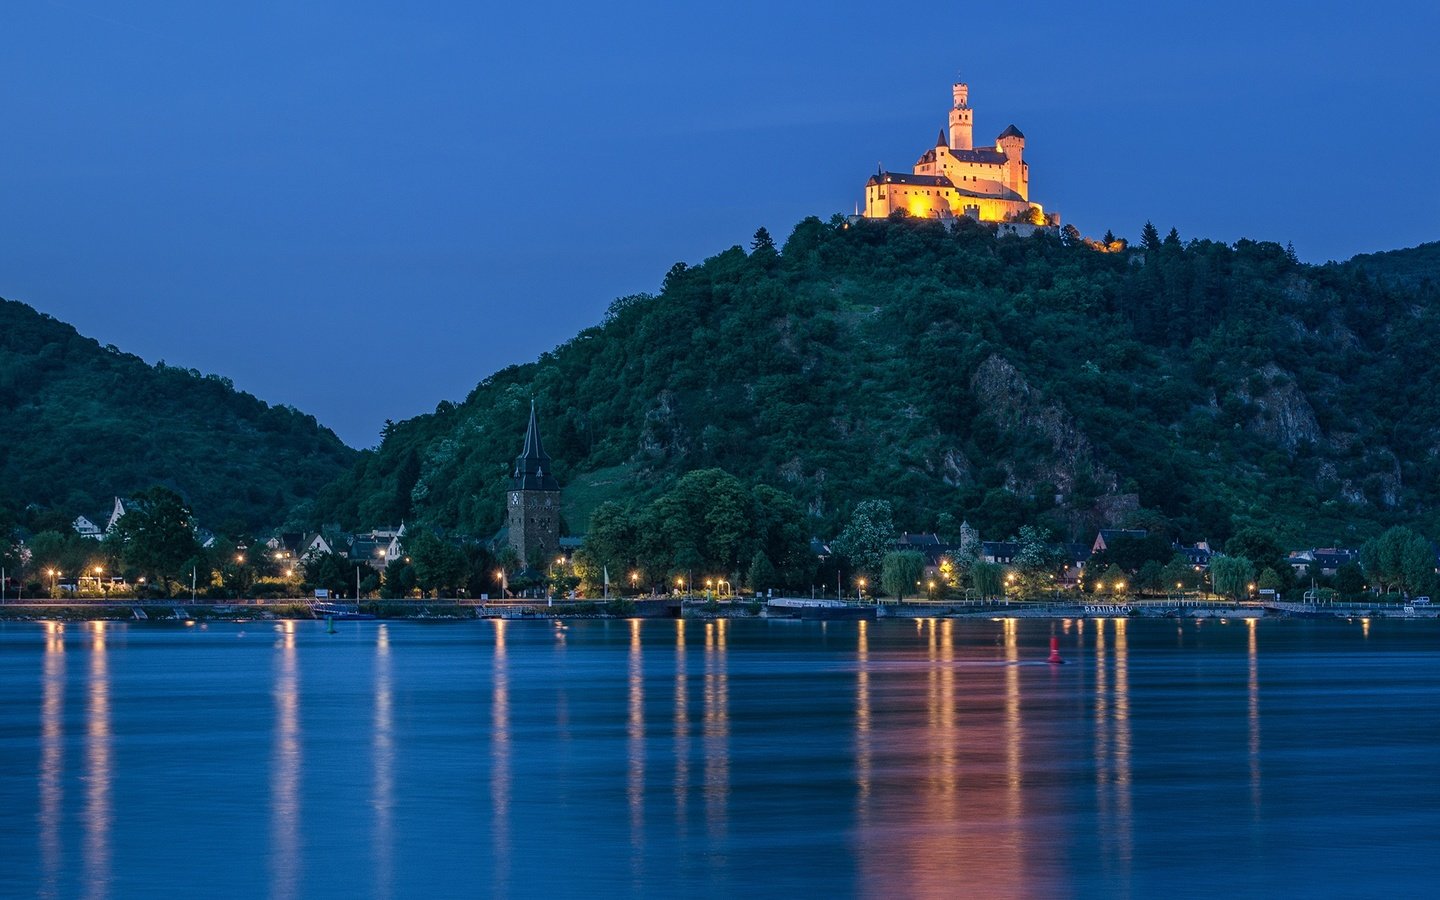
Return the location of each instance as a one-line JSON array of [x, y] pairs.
[[54, 585], [860, 594], [634, 580]]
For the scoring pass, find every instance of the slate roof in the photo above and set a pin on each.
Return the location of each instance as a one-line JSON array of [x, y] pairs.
[[999, 550], [532, 466], [1011, 131], [981, 155], [906, 178]]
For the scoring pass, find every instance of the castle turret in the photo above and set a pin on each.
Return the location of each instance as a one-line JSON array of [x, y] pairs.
[[1011, 142], [962, 118]]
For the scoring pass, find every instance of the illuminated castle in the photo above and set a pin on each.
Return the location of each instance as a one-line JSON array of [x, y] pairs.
[[956, 178]]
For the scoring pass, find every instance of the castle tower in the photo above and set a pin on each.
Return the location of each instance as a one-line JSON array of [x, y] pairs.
[[534, 507], [962, 118], [1011, 142]]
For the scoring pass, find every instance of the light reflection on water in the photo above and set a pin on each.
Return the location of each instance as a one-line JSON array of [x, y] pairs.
[[927, 758], [384, 765], [98, 813], [286, 847], [500, 762], [52, 757]]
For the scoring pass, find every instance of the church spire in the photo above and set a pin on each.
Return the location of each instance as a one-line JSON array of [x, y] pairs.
[[532, 466]]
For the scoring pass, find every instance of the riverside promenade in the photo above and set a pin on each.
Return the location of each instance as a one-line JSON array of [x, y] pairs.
[[181, 609]]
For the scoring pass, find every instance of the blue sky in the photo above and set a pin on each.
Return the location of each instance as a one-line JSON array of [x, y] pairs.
[[361, 209]]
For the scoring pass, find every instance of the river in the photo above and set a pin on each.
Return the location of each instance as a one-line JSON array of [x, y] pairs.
[[929, 758]]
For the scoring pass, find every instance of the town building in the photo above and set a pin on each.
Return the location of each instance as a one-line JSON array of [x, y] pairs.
[[955, 178], [534, 502]]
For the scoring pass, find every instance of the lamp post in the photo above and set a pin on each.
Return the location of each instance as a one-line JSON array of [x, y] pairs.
[[860, 590], [54, 583], [99, 570], [634, 580]]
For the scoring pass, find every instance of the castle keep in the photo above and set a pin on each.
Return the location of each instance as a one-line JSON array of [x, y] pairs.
[[956, 178]]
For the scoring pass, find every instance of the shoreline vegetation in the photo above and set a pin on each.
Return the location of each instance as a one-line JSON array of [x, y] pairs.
[[690, 608]]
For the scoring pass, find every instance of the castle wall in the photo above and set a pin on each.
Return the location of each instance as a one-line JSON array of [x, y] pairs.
[[930, 202]]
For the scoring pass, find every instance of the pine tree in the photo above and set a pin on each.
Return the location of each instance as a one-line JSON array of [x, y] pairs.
[[1173, 238], [1109, 237], [1150, 237], [762, 241]]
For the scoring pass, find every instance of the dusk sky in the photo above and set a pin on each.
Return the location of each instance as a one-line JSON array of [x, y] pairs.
[[361, 209]]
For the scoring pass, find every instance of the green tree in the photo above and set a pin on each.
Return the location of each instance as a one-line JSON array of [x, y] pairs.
[[1398, 559], [1263, 549], [762, 242], [1037, 560], [869, 536], [329, 572], [1270, 580], [1350, 579], [156, 536], [438, 564], [900, 569], [988, 579], [1150, 237], [1231, 575], [761, 576], [1131, 552], [60, 552], [947, 527], [1150, 577], [1179, 574], [399, 580], [610, 540]]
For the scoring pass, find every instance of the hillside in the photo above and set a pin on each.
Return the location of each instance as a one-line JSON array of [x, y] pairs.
[[1197, 388], [1411, 267], [85, 422]]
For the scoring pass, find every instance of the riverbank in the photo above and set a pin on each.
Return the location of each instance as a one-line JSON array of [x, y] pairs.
[[674, 608]]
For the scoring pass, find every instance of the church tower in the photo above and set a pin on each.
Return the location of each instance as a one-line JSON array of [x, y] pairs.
[[534, 502], [962, 118]]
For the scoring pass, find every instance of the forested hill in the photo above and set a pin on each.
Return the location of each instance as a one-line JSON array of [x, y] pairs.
[[1412, 267], [1190, 387], [84, 423]]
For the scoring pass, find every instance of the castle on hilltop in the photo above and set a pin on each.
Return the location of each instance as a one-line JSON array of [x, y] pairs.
[[955, 178]]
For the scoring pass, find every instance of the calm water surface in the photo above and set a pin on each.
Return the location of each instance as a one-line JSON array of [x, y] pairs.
[[900, 758]]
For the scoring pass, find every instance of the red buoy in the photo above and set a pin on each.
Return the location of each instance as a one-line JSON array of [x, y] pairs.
[[1055, 652]]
